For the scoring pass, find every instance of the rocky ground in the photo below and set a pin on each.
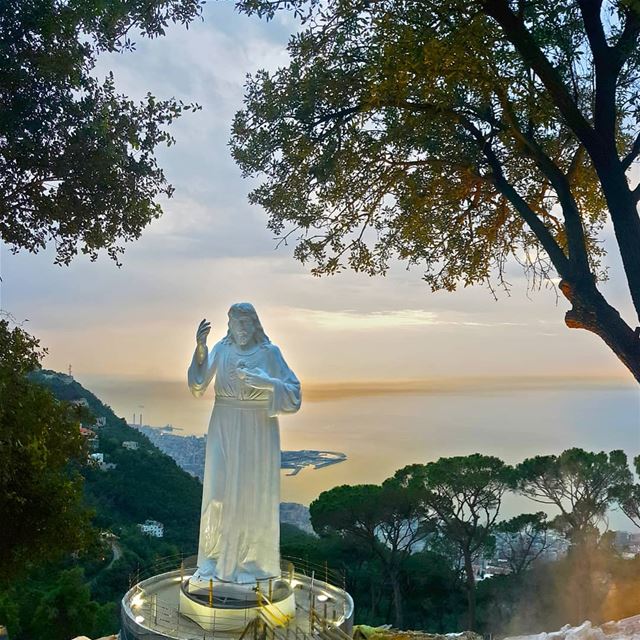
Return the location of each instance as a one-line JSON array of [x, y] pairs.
[[626, 629]]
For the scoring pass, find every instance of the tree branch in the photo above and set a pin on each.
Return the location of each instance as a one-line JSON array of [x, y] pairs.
[[516, 32], [555, 253], [627, 40], [590, 10], [559, 182], [335, 115], [627, 161], [606, 67], [575, 163]]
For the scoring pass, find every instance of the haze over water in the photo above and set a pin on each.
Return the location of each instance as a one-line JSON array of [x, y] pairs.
[[382, 429]]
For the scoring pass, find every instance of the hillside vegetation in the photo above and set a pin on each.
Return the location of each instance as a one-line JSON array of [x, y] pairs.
[[81, 594]]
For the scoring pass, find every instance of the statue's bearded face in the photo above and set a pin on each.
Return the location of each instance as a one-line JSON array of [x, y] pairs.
[[242, 329]]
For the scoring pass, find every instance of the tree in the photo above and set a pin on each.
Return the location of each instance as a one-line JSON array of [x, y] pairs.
[[62, 608], [580, 484], [523, 539], [465, 493], [389, 519], [627, 495], [457, 135], [77, 163], [41, 448]]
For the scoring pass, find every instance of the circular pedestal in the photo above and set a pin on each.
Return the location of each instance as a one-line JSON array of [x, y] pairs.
[[230, 607], [161, 607]]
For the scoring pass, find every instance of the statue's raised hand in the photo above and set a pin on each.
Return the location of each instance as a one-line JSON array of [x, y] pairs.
[[203, 331], [201, 340]]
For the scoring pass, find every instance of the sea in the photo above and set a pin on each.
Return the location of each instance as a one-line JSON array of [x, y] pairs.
[[383, 427]]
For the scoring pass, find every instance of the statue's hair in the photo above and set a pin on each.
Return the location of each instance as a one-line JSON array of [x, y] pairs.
[[246, 309]]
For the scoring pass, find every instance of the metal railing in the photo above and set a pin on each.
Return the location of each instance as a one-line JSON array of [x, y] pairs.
[[321, 570], [164, 618]]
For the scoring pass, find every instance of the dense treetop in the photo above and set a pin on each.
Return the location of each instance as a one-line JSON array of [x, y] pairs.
[[455, 135], [41, 453], [77, 158]]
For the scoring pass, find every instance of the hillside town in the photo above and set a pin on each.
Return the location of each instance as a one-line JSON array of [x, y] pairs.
[[189, 451]]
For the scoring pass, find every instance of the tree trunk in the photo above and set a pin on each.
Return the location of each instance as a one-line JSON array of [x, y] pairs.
[[397, 599], [373, 601], [623, 210], [471, 591], [592, 312]]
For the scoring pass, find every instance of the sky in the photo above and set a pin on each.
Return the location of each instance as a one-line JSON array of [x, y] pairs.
[[211, 248]]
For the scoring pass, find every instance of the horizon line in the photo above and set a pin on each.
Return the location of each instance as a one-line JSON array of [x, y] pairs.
[[317, 390]]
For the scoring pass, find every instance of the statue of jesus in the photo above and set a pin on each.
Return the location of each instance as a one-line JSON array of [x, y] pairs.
[[240, 519]]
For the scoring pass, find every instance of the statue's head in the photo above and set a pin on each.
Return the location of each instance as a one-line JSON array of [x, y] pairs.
[[244, 326]]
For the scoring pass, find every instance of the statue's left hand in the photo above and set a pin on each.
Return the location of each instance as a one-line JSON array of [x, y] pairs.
[[258, 379]]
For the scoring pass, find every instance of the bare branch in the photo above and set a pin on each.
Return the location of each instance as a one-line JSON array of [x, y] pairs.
[[627, 161]]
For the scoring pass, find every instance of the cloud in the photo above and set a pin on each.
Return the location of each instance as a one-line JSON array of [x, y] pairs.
[[212, 248], [345, 320], [352, 320]]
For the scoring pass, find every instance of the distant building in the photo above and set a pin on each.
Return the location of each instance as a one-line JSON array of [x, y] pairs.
[[101, 421], [91, 437], [108, 535], [152, 528], [80, 402], [627, 543], [622, 540], [131, 445], [61, 377], [98, 460]]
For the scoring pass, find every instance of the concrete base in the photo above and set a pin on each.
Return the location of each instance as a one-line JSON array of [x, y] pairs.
[[230, 607]]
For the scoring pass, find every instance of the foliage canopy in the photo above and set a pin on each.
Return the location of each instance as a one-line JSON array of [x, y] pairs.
[[581, 484], [41, 450], [390, 519], [77, 163], [456, 135], [465, 493]]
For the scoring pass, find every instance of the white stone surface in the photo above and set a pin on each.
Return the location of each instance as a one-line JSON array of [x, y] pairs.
[[239, 526], [626, 629]]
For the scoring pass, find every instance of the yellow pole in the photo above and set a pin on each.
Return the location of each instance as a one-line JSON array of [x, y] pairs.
[[211, 593], [270, 589]]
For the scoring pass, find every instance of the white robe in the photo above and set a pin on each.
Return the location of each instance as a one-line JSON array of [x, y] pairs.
[[240, 516]]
